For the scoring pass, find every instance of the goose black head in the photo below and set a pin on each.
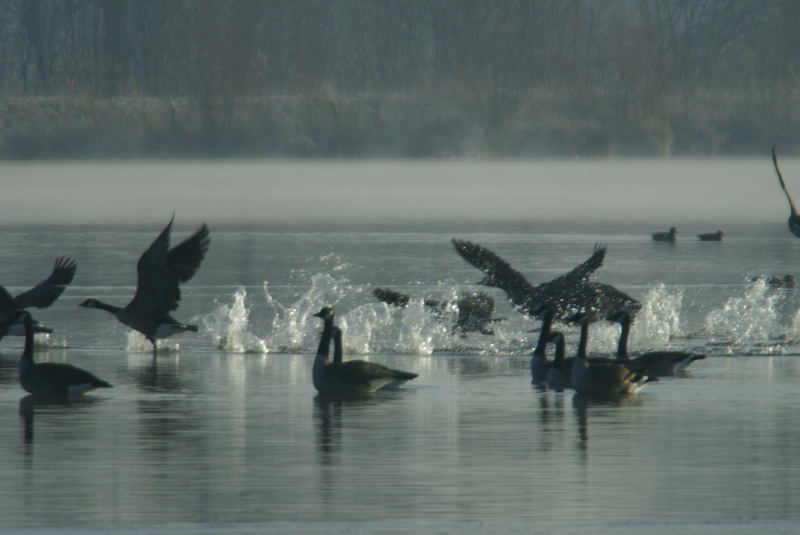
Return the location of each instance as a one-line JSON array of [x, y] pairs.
[[325, 313], [89, 303]]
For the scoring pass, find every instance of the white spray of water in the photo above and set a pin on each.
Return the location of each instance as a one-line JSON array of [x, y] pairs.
[[746, 320], [138, 343], [229, 324]]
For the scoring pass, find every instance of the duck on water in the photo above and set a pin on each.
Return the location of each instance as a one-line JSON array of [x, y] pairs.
[[352, 377], [160, 271], [570, 293], [668, 236]]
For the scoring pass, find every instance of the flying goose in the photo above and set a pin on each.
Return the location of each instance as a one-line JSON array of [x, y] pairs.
[[42, 295], [656, 363], [794, 217], [160, 271], [711, 236], [474, 310], [539, 364], [52, 379], [666, 236], [605, 379], [352, 376], [570, 293]]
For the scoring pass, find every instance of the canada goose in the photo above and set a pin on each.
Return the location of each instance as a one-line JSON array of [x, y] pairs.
[[666, 236], [602, 378], [160, 271], [42, 295], [711, 236], [474, 310], [566, 294], [352, 376], [51, 379], [539, 364], [794, 218], [655, 363]]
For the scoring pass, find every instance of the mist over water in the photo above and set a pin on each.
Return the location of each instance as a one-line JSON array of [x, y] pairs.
[[659, 192]]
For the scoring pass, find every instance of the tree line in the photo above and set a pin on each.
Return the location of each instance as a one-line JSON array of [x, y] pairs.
[[391, 77]]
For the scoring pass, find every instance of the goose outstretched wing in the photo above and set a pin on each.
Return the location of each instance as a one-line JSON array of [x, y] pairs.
[[46, 292]]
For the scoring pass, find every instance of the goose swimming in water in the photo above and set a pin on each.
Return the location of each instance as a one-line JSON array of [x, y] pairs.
[[474, 310], [794, 218], [52, 379], [42, 295], [160, 271], [570, 293], [655, 363], [711, 236], [604, 379], [666, 236], [356, 377]]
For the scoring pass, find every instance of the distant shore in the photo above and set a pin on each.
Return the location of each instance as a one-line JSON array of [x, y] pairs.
[[325, 124]]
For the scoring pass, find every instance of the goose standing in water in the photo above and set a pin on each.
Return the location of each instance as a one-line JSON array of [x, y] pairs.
[[666, 236], [711, 236], [558, 373], [566, 294], [656, 363], [160, 271], [52, 379], [605, 379], [42, 295], [353, 376], [794, 218]]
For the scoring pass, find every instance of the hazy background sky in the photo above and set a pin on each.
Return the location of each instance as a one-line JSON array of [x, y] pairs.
[[658, 192]]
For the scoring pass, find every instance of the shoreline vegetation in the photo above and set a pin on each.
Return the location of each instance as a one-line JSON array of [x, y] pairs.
[[329, 126], [384, 78]]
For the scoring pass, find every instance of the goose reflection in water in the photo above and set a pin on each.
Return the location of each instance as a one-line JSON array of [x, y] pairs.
[[29, 403]]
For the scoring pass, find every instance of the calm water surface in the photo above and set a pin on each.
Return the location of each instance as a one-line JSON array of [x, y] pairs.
[[224, 432]]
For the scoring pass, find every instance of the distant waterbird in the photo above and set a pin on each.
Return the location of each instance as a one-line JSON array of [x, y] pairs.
[[160, 271], [352, 377], [52, 379], [668, 236], [711, 236], [794, 217], [42, 295]]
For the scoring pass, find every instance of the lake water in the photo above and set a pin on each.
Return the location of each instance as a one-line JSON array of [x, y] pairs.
[[224, 432]]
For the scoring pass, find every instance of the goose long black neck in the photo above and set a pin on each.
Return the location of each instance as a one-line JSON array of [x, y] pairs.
[[558, 339], [337, 345], [622, 346], [584, 340], [105, 306], [544, 335], [325, 339]]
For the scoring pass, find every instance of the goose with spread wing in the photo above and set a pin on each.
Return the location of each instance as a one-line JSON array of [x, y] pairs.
[[568, 294], [794, 217], [160, 271], [42, 295]]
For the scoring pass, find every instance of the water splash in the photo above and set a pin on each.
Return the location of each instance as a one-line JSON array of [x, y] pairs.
[[138, 343], [746, 321], [659, 320], [228, 326]]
